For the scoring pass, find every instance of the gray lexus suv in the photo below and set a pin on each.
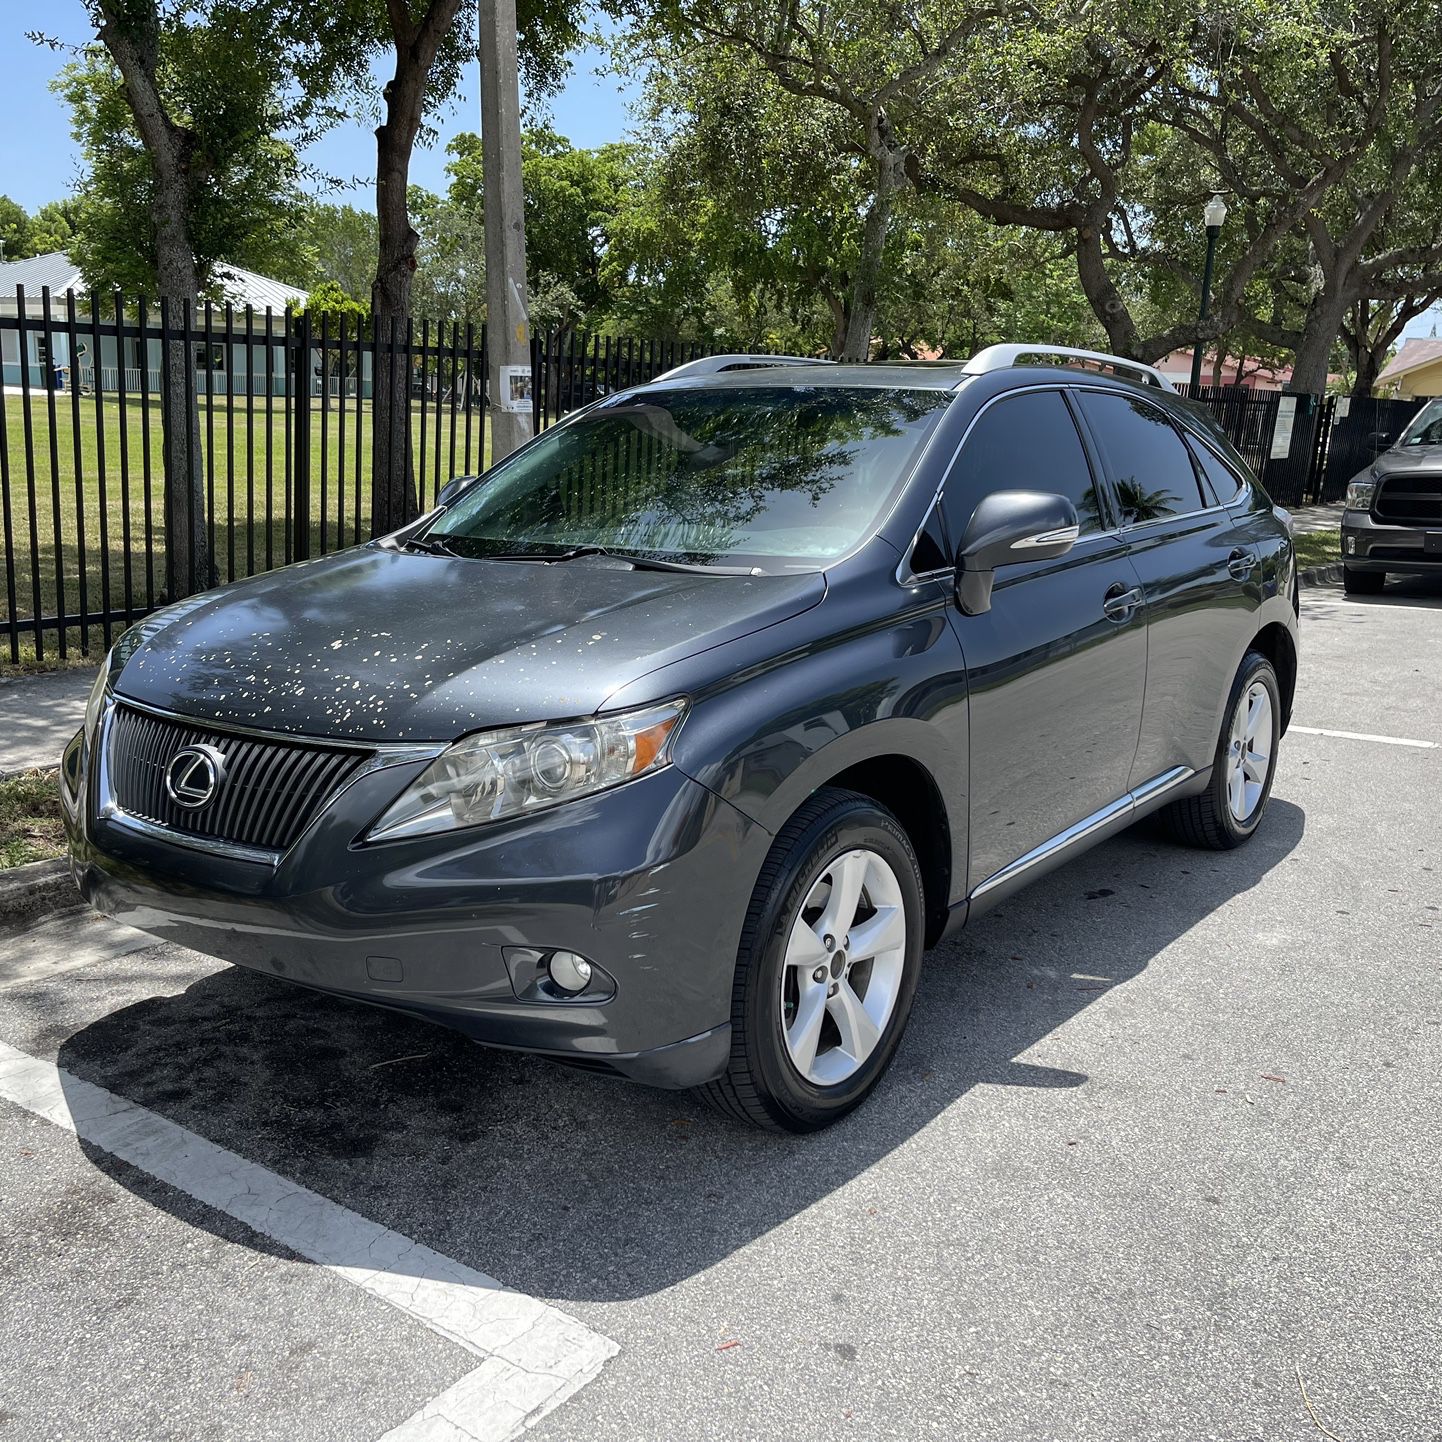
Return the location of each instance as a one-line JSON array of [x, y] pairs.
[[1392, 516], [666, 747]]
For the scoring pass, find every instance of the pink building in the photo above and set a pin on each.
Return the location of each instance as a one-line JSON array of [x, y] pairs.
[[1236, 371]]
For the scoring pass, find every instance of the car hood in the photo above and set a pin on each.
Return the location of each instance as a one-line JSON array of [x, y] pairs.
[[384, 645], [1399, 461]]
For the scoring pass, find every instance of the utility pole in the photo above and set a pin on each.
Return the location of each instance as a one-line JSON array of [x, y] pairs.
[[508, 327]]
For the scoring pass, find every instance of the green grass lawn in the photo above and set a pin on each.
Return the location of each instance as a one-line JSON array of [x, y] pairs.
[[1319, 548], [30, 825], [240, 442]]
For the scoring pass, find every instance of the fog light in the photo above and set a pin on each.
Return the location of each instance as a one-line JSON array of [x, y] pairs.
[[569, 972]]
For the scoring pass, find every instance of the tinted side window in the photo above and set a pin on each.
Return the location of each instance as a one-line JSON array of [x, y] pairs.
[[1027, 442], [1151, 466], [1218, 477]]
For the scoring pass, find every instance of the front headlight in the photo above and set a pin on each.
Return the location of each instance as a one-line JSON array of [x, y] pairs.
[[1360, 494], [495, 774]]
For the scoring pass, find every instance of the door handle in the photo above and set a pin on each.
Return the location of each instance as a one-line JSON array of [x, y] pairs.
[[1119, 602], [1241, 564]]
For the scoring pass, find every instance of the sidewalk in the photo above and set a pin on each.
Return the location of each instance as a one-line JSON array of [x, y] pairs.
[[38, 715], [1307, 519]]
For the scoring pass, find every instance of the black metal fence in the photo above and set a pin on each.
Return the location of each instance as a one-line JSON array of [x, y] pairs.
[[1355, 429], [280, 414], [280, 410]]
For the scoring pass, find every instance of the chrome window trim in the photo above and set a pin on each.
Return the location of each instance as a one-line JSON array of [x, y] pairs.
[[1080, 830], [1129, 526], [904, 575]]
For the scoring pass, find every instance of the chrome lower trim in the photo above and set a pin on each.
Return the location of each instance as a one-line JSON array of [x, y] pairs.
[[1147, 792], [212, 845]]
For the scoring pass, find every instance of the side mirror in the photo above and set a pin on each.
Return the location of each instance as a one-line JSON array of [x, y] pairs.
[[1379, 440], [454, 487], [1009, 527]]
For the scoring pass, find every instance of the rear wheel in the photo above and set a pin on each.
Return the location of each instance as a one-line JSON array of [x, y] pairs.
[[827, 968], [1362, 583], [1230, 809]]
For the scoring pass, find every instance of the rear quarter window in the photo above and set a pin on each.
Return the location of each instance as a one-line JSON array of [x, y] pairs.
[[1150, 465]]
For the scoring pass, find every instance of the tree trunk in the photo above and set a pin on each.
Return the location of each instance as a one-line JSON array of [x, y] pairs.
[[1107, 302], [856, 345], [188, 563], [131, 33], [1320, 329], [393, 479], [840, 318], [889, 175]]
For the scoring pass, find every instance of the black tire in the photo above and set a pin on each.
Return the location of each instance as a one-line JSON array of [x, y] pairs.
[[1206, 820], [1362, 583], [761, 1085]]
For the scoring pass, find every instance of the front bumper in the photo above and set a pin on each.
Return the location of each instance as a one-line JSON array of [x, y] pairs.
[[1369, 545], [650, 881]]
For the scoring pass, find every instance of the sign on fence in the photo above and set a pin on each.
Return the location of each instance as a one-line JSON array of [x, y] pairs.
[[1282, 429]]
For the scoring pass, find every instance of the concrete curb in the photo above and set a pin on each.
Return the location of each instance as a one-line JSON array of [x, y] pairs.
[[36, 890], [1329, 575]]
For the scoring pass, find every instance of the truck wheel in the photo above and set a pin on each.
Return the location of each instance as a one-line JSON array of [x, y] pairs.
[[829, 958]]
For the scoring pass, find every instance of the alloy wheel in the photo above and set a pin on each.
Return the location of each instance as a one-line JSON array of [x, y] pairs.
[[843, 968], [1249, 751]]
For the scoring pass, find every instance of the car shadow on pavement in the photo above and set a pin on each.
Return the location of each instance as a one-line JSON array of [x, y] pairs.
[[572, 1186], [1414, 592]]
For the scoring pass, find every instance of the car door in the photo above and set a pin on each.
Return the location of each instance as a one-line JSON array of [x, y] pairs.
[[1199, 573], [1056, 668]]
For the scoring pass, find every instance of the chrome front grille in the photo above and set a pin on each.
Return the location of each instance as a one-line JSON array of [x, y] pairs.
[[274, 786]]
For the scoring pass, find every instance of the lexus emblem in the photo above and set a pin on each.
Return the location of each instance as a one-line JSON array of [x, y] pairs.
[[194, 776]]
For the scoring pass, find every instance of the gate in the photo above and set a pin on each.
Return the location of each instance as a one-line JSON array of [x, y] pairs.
[[1354, 421]]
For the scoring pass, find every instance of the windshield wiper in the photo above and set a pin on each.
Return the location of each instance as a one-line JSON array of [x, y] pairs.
[[641, 563], [651, 563], [427, 546]]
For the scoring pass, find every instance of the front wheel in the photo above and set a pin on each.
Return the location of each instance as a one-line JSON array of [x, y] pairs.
[[827, 967], [1230, 809]]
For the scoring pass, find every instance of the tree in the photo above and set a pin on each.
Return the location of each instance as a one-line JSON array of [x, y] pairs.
[[341, 239], [14, 229], [1349, 92], [333, 314], [236, 197], [54, 226], [178, 111], [572, 199], [450, 282], [874, 67]]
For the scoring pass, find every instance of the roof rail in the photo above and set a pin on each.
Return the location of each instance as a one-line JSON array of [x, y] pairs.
[[710, 365], [1000, 357]]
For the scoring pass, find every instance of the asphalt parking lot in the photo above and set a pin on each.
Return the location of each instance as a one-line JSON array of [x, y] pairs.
[[1158, 1159]]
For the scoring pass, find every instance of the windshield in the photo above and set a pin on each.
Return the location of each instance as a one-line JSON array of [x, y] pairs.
[[1426, 427], [780, 477]]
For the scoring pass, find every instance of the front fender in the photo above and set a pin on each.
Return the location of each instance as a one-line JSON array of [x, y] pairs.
[[850, 687]]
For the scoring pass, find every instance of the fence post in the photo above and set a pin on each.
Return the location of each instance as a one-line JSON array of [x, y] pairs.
[[300, 400]]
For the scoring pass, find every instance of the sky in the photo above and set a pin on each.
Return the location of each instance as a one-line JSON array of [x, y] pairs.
[[39, 158]]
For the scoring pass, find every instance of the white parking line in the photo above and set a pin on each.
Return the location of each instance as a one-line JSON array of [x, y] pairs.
[[534, 1355], [1363, 736]]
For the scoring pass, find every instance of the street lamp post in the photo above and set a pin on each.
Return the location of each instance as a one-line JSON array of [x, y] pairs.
[[1214, 217]]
